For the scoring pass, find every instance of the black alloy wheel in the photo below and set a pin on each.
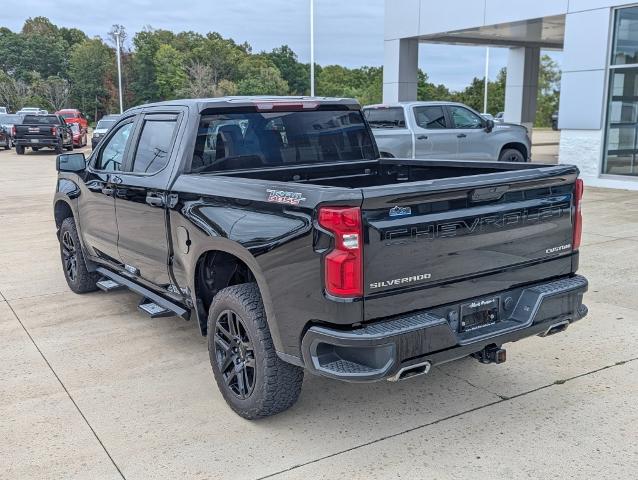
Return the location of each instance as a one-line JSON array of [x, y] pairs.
[[69, 256], [234, 354]]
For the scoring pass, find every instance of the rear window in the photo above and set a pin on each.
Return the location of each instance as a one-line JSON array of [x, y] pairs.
[[11, 119], [251, 140], [69, 115], [41, 120], [385, 117], [105, 124]]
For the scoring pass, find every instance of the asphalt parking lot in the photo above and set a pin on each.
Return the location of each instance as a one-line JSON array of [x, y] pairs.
[[92, 389]]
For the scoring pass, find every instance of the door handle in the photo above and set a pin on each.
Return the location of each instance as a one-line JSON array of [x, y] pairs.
[[461, 135], [422, 137], [95, 187], [154, 200], [107, 191], [116, 179]]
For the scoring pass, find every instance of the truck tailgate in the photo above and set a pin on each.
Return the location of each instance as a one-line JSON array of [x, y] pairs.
[[440, 233]]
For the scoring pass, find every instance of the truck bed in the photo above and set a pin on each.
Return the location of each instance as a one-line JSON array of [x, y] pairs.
[[385, 171]]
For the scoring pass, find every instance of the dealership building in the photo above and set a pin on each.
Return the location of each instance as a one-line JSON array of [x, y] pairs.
[[598, 114]]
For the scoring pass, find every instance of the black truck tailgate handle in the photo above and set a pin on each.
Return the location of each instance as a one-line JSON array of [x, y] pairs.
[[487, 194]]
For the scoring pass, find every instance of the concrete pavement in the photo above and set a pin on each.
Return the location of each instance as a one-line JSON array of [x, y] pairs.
[[91, 388]]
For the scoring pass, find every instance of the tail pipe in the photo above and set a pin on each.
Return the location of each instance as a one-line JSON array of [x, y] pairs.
[[411, 371]]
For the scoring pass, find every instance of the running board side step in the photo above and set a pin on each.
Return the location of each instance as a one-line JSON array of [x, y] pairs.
[[152, 304]]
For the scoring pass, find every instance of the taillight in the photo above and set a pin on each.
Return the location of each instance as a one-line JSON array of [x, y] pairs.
[[13, 130], [54, 131], [578, 215], [344, 264]]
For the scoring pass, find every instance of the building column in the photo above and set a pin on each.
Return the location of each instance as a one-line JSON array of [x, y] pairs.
[[401, 65], [521, 90]]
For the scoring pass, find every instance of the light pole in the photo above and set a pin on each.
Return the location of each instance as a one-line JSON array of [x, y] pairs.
[[118, 33], [312, 48], [487, 78]]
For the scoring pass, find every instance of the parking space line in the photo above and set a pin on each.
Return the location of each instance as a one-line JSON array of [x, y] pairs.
[[450, 417], [66, 390]]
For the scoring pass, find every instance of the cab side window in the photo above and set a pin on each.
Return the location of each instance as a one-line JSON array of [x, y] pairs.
[[430, 118], [154, 145], [111, 155], [463, 118]]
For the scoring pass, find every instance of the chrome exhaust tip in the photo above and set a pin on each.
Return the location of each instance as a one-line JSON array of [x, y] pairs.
[[555, 328], [411, 371]]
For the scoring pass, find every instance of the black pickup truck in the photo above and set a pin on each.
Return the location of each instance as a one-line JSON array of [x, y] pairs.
[[40, 131], [274, 224]]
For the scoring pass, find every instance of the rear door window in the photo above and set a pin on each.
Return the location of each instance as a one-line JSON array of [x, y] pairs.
[[392, 117], [431, 117], [154, 145]]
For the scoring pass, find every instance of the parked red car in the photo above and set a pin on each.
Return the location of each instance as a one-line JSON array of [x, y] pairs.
[[73, 116]]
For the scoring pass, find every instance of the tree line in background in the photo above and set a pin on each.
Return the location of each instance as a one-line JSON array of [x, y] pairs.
[[54, 67]]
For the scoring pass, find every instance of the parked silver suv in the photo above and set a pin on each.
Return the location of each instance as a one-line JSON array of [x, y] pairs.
[[445, 130]]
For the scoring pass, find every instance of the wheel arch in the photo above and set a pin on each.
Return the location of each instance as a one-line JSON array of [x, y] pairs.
[[232, 265], [61, 210], [515, 146]]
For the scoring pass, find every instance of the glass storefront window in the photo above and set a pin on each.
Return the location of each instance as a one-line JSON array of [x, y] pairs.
[[621, 147], [625, 49]]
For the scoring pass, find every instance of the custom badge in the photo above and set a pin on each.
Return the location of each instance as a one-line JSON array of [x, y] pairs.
[[287, 198], [400, 211]]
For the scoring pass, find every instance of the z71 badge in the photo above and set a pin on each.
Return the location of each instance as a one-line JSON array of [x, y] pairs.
[[288, 198]]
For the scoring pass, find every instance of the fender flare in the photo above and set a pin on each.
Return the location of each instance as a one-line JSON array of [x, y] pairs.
[[218, 244]]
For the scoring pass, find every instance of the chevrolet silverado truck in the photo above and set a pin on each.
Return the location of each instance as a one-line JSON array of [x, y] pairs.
[[276, 227], [445, 130], [40, 131]]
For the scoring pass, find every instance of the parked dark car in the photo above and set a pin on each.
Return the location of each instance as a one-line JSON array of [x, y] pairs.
[[41, 131], [276, 227], [5, 138], [8, 121]]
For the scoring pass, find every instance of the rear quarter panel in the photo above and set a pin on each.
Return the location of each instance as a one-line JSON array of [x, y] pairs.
[[276, 240]]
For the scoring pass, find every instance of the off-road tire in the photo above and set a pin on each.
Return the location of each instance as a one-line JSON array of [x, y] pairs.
[[81, 281], [20, 149], [69, 148], [277, 384], [511, 155], [59, 148]]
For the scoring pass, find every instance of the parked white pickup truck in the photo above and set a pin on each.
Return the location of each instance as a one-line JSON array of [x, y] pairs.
[[445, 130]]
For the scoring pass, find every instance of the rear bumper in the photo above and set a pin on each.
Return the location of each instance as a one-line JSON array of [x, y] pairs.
[[382, 349], [42, 142]]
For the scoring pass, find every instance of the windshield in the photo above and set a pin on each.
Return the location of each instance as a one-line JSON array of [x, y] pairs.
[[385, 117], [41, 120], [104, 124], [10, 119], [251, 140]]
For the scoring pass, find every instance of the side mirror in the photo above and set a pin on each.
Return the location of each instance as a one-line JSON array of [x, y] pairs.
[[489, 125], [70, 162]]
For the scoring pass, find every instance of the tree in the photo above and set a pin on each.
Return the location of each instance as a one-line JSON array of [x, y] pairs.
[[14, 93], [55, 91], [260, 77], [72, 36], [91, 68], [170, 75], [201, 83], [146, 44], [548, 91], [296, 74]]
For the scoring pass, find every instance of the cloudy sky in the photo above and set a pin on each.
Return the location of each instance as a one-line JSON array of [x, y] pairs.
[[348, 32]]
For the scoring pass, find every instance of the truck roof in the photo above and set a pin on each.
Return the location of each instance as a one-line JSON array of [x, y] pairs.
[[202, 104], [413, 104]]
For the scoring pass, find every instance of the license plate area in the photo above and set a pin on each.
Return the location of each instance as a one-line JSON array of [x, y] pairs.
[[479, 314]]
